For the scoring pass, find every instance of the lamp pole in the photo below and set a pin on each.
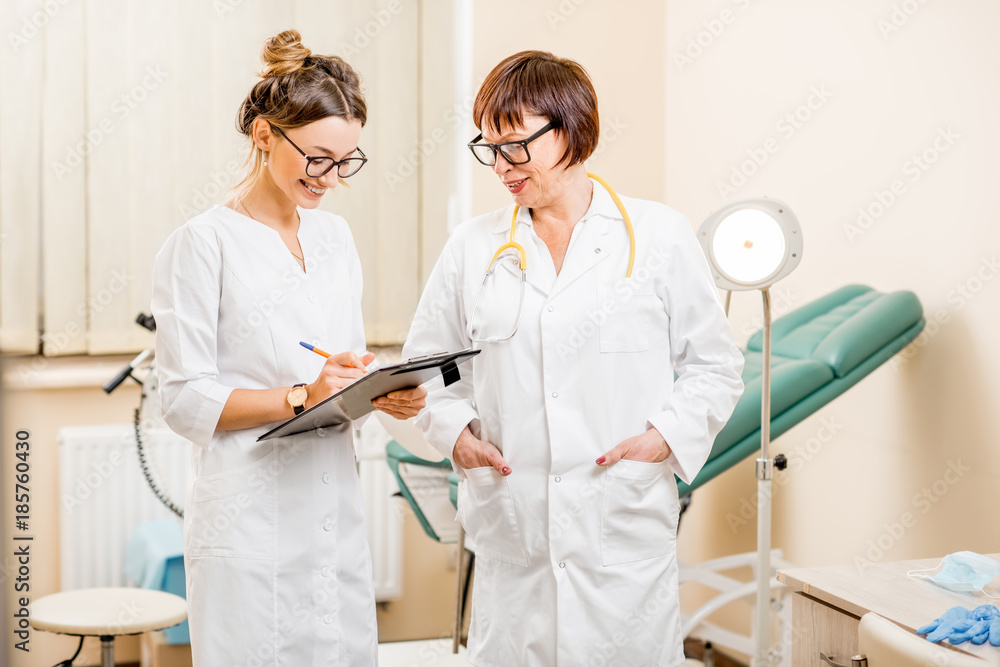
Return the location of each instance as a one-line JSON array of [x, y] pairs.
[[765, 472]]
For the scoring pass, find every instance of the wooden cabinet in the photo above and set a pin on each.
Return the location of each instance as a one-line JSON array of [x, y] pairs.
[[828, 603], [819, 628]]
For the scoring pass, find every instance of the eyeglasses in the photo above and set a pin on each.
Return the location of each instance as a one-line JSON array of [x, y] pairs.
[[515, 152], [321, 166]]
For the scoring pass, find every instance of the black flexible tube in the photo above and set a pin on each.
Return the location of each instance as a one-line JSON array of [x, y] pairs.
[[69, 663], [163, 497]]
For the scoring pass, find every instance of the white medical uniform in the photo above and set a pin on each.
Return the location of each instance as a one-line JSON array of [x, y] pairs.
[[576, 563], [277, 563]]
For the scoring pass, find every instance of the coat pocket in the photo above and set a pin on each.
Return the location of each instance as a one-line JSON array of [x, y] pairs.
[[629, 308], [486, 509], [233, 512], [639, 514]]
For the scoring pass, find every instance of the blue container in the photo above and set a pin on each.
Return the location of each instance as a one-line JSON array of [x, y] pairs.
[[155, 560]]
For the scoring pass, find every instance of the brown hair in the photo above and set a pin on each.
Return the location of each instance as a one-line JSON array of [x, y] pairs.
[[296, 88], [539, 83]]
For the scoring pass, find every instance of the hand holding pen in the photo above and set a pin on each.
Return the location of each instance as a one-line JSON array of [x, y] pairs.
[[339, 371], [344, 368]]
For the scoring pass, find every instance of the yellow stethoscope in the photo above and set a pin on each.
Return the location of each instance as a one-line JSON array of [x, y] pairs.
[[523, 263]]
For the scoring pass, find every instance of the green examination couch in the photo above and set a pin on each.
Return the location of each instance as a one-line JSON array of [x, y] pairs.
[[818, 352]]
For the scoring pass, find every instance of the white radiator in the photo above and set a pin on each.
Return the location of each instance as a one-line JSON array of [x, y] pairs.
[[103, 497]]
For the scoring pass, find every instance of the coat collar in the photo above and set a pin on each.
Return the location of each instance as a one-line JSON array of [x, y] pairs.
[[601, 205]]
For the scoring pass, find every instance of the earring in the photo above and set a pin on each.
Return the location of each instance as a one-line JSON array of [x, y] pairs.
[[265, 160]]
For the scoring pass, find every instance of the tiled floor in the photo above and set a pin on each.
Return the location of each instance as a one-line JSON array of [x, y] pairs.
[[433, 653], [427, 653]]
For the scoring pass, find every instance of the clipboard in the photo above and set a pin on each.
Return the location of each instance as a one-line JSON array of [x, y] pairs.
[[355, 400]]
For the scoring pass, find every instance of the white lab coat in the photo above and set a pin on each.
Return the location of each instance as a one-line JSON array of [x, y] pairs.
[[277, 563], [575, 563]]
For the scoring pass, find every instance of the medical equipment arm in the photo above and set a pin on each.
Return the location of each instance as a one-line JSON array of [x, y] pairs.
[[439, 325], [705, 357], [187, 280]]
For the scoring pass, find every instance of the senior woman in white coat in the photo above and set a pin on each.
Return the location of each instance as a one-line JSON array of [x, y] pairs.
[[277, 563], [569, 431]]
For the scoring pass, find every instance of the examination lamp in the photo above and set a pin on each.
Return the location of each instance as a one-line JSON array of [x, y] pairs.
[[751, 245]]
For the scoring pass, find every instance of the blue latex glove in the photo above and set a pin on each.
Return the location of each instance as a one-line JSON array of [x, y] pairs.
[[989, 614], [959, 625], [943, 626]]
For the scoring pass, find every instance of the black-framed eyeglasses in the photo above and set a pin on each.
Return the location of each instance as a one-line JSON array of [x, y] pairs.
[[515, 152], [321, 166]]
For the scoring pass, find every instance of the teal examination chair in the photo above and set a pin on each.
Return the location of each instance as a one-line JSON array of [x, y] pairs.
[[819, 351]]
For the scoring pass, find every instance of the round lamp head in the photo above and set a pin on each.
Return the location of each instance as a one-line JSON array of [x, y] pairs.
[[751, 244]]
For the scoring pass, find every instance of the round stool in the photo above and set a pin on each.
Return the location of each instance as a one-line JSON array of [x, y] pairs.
[[107, 613]]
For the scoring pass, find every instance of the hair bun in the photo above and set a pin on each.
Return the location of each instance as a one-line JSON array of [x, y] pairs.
[[283, 54]]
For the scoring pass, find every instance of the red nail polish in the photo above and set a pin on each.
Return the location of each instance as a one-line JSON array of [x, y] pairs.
[[601, 461], [505, 470]]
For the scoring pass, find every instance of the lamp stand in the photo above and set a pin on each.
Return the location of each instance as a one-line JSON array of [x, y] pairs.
[[765, 472]]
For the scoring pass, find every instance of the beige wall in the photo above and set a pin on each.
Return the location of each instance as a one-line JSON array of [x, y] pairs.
[[881, 454]]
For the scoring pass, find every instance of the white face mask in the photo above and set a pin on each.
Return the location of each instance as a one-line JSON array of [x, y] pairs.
[[963, 571]]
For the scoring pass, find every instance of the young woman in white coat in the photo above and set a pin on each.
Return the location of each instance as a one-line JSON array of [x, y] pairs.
[[278, 568], [569, 432]]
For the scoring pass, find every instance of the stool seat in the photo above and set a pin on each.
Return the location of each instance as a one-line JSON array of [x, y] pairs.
[[107, 611]]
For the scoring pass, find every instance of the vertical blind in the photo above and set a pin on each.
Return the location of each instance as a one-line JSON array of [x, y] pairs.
[[117, 124]]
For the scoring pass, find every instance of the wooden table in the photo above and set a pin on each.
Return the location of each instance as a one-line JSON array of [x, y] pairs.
[[828, 603]]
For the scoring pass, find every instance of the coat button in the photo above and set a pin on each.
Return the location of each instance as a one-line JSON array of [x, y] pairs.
[[558, 479], [325, 571], [562, 565], [328, 619], [551, 308], [326, 478], [597, 250], [328, 526], [312, 298], [555, 394]]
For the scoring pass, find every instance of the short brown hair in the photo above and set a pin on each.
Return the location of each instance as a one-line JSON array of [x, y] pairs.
[[296, 88], [539, 83]]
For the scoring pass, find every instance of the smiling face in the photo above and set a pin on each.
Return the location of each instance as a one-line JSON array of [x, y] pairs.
[[285, 173], [541, 181]]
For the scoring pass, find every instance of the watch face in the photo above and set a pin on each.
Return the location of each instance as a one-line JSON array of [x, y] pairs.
[[297, 396]]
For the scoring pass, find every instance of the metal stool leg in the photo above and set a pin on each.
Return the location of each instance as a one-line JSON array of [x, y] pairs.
[[459, 591], [107, 651]]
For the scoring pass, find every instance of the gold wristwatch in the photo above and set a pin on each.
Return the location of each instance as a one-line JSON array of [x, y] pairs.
[[297, 397]]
